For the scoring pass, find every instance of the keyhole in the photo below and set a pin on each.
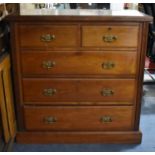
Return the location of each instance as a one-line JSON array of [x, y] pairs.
[[109, 28]]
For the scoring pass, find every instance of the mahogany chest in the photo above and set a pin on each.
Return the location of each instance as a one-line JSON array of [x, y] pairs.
[[78, 75]]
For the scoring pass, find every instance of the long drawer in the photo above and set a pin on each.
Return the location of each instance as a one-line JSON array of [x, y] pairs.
[[44, 91], [80, 118], [110, 36], [48, 35], [78, 63]]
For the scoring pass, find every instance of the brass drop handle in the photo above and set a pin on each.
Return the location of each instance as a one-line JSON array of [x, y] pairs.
[[48, 64], [107, 92], [47, 37], [49, 120], [49, 92], [109, 38], [108, 65], [106, 119]]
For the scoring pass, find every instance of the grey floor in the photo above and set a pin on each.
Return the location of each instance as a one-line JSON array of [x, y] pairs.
[[147, 126]]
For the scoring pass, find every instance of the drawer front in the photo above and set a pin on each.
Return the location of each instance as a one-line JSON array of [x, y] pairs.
[[77, 90], [110, 36], [48, 36], [79, 118], [79, 63]]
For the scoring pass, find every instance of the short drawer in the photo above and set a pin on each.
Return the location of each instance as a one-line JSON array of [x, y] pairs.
[[110, 36], [79, 63], [78, 90], [48, 36], [79, 118]]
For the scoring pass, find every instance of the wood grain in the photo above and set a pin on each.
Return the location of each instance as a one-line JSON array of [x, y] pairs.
[[9, 97], [4, 111], [79, 118], [81, 15], [127, 36], [78, 63], [78, 90], [7, 101], [65, 36], [79, 50], [129, 137], [142, 53]]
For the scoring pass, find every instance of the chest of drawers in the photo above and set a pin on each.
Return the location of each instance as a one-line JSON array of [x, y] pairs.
[[78, 78]]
